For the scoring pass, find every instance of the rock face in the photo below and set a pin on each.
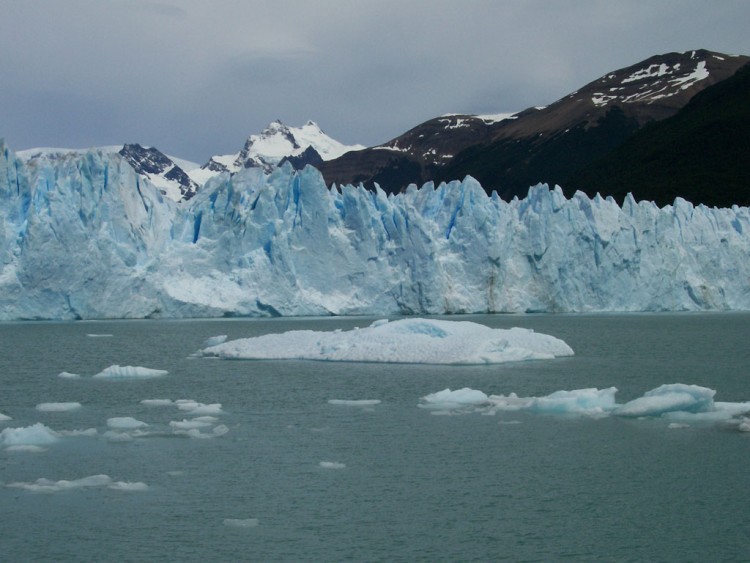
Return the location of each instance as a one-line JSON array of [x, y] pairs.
[[510, 153], [85, 237]]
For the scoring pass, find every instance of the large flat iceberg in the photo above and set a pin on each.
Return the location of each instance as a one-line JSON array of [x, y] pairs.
[[412, 341]]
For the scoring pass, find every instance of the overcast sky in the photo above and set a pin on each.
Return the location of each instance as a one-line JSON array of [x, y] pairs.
[[194, 78]]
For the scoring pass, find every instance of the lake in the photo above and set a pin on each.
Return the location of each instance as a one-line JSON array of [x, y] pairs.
[[281, 474]]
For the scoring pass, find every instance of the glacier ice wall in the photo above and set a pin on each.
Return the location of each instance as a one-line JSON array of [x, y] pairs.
[[84, 237]]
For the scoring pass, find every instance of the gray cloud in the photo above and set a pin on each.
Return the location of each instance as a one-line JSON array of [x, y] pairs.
[[195, 78]]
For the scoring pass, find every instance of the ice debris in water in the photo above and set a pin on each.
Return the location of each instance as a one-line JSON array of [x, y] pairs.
[[332, 465], [157, 402], [125, 423], [241, 522], [424, 341], [127, 372], [677, 402], [58, 407], [35, 435], [4, 417], [68, 375], [93, 481], [354, 402]]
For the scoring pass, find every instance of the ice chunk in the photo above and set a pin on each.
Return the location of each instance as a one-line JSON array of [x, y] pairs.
[[4, 417], [332, 465], [58, 407], [580, 401], [128, 372], [354, 402], [157, 402], [196, 409], [214, 341], [125, 423], [117, 437], [68, 375], [48, 486], [450, 400], [188, 424], [241, 522], [128, 486], [91, 482], [35, 435], [426, 341], [99, 335], [668, 398], [84, 432]]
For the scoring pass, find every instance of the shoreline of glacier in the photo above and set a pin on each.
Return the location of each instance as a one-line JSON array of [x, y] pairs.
[[83, 237]]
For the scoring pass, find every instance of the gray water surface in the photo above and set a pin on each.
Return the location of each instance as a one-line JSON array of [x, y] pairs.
[[411, 486]]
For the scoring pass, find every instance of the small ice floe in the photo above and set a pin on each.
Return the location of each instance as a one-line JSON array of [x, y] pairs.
[[129, 372], [93, 335], [35, 435], [188, 424], [92, 482], [68, 375], [157, 402], [241, 522], [195, 433], [447, 400], [331, 465], [195, 408], [117, 437], [58, 407], [125, 423], [677, 425], [4, 417], [354, 402], [27, 448]]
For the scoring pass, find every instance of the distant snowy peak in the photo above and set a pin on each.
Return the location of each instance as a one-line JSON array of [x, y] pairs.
[[163, 172], [277, 143]]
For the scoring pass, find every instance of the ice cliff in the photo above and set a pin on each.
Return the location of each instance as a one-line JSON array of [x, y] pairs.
[[85, 237]]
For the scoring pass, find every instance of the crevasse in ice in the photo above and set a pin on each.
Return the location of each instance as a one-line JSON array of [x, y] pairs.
[[84, 237]]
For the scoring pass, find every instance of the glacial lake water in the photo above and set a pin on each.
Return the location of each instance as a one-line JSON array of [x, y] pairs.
[[296, 478]]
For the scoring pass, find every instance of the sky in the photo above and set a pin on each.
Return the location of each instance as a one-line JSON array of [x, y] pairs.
[[195, 78]]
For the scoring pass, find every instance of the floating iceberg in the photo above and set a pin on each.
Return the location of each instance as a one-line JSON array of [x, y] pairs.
[[241, 522], [68, 375], [354, 402], [332, 465], [91, 482], [58, 407], [125, 423], [424, 341], [129, 372], [678, 402], [4, 417], [35, 435]]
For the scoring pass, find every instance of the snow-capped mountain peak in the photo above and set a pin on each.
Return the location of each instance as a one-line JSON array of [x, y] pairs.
[[275, 143]]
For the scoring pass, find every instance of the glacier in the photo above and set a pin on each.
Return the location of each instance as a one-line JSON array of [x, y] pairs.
[[84, 237]]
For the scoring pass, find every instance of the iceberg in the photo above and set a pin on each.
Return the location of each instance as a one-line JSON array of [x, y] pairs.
[[58, 407], [35, 435], [424, 341], [92, 482], [677, 402], [84, 237], [129, 372]]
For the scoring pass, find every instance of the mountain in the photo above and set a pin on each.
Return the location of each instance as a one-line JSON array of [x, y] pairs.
[[84, 237], [169, 177], [168, 174], [277, 142], [539, 144], [700, 154]]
